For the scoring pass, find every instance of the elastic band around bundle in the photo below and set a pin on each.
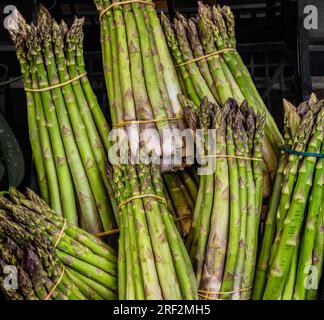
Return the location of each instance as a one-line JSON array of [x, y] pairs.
[[55, 286], [149, 3], [185, 216], [115, 231], [205, 56], [216, 299], [301, 153], [107, 233], [60, 234], [226, 156], [124, 123], [141, 196], [203, 293], [59, 85]]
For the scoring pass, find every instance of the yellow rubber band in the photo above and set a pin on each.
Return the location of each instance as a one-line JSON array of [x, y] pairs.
[[149, 3], [227, 292], [60, 234], [218, 299], [217, 156], [107, 233], [55, 286], [205, 57], [56, 85], [141, 196], [122, 124], [115, 231], [185, 216]]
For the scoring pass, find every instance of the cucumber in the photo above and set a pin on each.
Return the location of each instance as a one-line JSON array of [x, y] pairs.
[[12, 155]]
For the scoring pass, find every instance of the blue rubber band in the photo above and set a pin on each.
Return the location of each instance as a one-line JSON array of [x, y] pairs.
[[305, 154]]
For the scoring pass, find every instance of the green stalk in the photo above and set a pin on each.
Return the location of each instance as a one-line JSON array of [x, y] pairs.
[[96, 112], [295, 216], [88, 270], [48, 157], [123, 61], [291, 174], [252, 213], [234, 222], [164, 266], [269, 232], [91, 222], [318, 256], [199, 82], [290, 283], [159, 73], [198, 51], [311, 229], [215, 66], [178, 59], [88, 292], [180, 255], [110, 35], [169, 72], [210, 278], [151, 283], [149, 138], [139, 293], [86, 115], [240, 140], [63, 172], [98, 289], [34, 130]]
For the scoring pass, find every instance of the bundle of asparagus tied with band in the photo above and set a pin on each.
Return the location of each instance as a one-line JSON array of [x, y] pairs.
[[208, 65], [222, 242], [53, 260], [141, 80], [68, 132], [152, 261], [291, 258]]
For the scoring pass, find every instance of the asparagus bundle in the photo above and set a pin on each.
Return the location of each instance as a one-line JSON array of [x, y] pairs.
[[291, 258], [68, 132], [222, 242], [152, 262], [54, 260], [203, 50], [141, 80]]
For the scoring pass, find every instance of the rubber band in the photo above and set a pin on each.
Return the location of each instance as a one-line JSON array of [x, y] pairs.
[[60, 234], [230, 157], [115, 231], [218, 299], [227, 292], [55, 286], [205, 57], [106, 233], [122, 3], [301, 153], [122, 124], [56, 85], [141, 196], [185, 216]]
